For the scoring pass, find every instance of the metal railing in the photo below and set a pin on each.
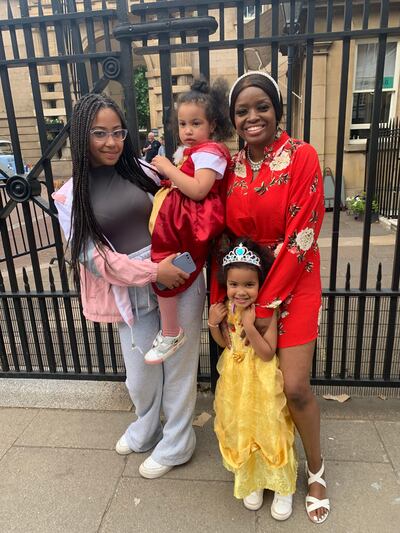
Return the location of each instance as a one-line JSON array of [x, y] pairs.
[[388, 169], [42, 329]]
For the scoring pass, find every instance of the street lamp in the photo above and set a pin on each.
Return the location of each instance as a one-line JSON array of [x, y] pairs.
[[291, 13]]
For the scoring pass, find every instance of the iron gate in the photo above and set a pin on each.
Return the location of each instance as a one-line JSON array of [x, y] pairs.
[[388, 169], [82, 45]]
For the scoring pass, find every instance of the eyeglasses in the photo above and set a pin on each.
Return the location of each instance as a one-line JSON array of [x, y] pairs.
[[102, 135]]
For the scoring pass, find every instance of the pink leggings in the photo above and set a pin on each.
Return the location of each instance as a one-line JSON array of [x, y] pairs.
[[169, 316]]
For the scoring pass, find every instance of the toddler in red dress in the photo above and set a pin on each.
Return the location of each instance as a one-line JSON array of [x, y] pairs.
[[188, 211]]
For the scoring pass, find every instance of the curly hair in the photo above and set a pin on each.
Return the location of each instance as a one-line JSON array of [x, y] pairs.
[[215, 102], [264, 253]]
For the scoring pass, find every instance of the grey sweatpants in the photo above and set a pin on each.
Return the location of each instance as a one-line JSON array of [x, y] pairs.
[[171, 386]]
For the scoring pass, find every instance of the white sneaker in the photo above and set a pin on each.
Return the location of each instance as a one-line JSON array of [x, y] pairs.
[[281, 507], [164, 347], [122, 447], [254, 500], [150, 469]]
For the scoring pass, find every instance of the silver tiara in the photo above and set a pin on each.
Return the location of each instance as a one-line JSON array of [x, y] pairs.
[[241, 254]]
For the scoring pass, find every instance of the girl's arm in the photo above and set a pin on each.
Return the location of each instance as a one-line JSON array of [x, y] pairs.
[[195, 188], [216, 315], [264, 345], [119, 269]]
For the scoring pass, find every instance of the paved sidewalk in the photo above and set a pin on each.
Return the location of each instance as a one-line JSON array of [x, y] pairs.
[[59, 472], [382, 245]]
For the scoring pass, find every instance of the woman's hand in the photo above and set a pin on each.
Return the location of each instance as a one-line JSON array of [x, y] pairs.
[[162, 164], [216, 314], [261, 324], [170, 275]]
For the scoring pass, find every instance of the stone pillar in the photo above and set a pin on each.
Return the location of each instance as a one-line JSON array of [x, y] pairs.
[[319, 99]]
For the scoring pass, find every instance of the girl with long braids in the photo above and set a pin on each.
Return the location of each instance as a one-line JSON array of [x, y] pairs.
[[104, 210]]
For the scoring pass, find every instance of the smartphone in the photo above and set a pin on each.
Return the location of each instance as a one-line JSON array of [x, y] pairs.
[[183, 261]]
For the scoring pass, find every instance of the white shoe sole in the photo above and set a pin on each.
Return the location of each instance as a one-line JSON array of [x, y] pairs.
[[280, 516], [122, 449], [254, 506], [167, 355], [153, 473]]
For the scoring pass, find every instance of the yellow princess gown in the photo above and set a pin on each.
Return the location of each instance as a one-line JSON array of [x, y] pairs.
[[253, 425]]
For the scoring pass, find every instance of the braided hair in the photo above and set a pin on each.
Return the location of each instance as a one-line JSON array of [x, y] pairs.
[[84, 224], [215, 102]]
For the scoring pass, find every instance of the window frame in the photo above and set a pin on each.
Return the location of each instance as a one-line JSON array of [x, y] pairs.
[[394, 91], [249, 18]]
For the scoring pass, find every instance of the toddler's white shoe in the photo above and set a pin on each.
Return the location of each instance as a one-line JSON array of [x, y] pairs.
[[254, 500], [281, 507], [164, 347]]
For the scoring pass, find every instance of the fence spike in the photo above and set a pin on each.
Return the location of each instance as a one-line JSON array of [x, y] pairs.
[[10, 15], [379, 278], [26, 279], [348, 275], [51, 280]]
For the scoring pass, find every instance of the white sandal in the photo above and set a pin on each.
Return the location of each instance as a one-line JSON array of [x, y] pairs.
[[312, 503]]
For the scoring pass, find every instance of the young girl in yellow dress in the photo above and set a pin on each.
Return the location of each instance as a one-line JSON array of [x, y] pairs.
[[253, 424]]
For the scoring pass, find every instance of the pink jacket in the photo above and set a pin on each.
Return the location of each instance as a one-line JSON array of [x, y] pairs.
[[105, 280]]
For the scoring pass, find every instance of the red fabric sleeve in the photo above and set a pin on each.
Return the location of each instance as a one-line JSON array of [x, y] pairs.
[[217, 291], [304, 215]]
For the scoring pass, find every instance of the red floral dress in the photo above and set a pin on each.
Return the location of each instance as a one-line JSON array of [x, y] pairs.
[[283, 208], [186, 225]]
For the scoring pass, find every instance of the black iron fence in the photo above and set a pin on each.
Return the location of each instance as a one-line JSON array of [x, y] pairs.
[[388, 169], [69, 47]]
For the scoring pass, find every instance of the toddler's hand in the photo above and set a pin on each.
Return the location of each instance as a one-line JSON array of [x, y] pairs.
[[249, 316], [217, 313], [162, 164]]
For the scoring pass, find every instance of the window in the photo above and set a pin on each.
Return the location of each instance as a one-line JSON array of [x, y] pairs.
[[364, 84], [249, 12]]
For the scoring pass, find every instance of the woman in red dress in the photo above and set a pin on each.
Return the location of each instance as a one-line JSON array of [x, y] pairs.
[[275, 197]]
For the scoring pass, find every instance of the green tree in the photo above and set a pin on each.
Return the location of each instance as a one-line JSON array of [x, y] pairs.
[[142, 97]]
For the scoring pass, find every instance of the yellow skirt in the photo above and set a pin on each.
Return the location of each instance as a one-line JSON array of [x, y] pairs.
[[253, 423]]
